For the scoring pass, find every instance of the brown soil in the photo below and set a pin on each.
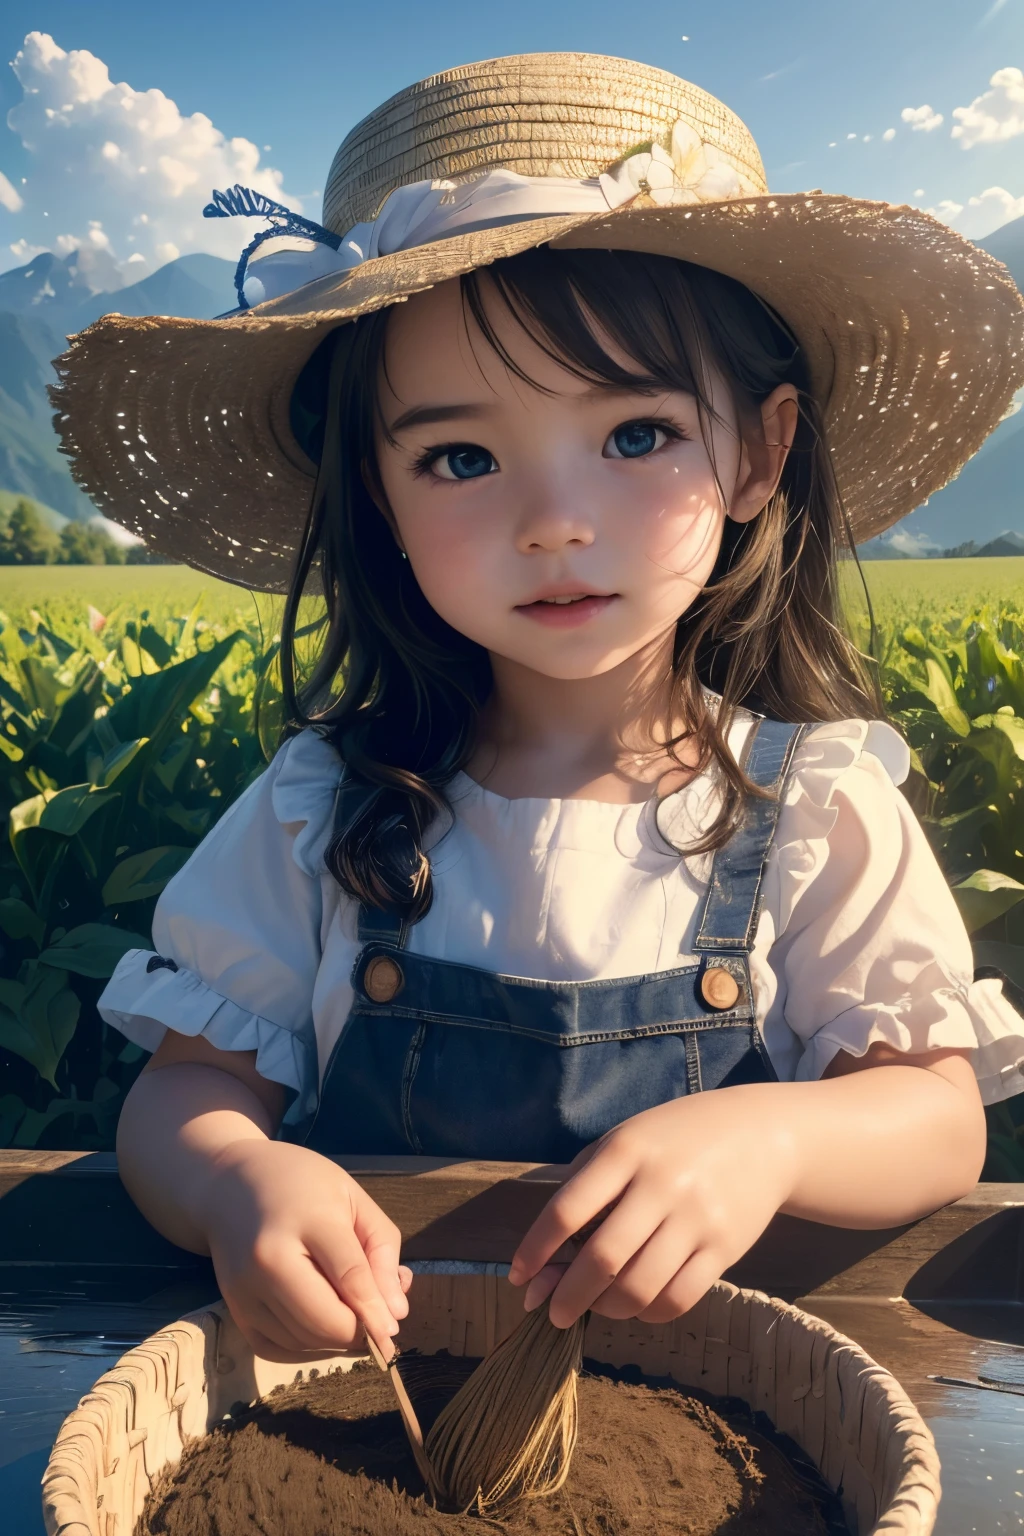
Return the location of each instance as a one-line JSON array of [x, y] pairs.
[[329, 1457]]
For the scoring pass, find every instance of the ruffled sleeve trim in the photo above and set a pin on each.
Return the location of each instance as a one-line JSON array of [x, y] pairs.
[[808, 815], [144, 1004], [304, 794], [877, 950]]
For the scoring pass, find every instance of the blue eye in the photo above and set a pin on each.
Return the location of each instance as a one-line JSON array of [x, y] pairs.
[[636, 439], [464, 463]]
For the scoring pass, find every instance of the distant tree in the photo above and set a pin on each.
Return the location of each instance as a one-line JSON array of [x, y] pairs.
[[139, 554], [87, 544], [25, 539], [961, 551]]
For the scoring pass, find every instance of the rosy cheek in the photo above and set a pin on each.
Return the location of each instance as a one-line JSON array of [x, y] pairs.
[[446, 559], [682, 528]]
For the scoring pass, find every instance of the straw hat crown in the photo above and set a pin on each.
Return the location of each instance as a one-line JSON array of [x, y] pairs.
[[187, 432], [538, 114]]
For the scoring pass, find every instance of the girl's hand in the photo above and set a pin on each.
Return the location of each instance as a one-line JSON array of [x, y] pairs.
[[304, 1258], [692, 1184]]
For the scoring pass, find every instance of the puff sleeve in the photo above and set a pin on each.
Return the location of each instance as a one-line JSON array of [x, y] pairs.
[[860, 938], [242, 925]]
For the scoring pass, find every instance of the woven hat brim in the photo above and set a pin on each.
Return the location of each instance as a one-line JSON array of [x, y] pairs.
[[179, 429]]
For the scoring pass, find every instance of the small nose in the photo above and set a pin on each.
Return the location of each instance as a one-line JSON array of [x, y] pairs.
[[548, 527]]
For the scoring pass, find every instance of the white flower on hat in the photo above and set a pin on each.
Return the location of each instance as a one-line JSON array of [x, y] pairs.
[[689, 172]]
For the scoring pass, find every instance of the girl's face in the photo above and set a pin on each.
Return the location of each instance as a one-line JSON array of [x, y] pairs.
[[564, 527]]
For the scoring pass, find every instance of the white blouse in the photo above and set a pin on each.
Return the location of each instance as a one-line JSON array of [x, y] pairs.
[[859, 937]]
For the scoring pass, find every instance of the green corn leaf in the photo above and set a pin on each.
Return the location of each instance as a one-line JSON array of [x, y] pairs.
[[144, 874], [940, 691], [68, 811], [18, 920], [38, 1018], [10, 696], [157, 702], [75, 713], [104, 770], [40, 685], [92, 949], [26, 814], [154, 643], [986, 895], [55, 644], [1011, 725]]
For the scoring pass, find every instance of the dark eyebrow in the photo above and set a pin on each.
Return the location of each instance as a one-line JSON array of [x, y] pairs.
[[427, 415]]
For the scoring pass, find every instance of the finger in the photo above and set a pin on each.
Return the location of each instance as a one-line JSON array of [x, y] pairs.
[[542, 1284], [264, 1329], [405, 1277], [308, 1306], [645, 1276], [685, 1289], [267, 1349], [598, 1184], [340, 1256], [622, 1233], [381, 1242]]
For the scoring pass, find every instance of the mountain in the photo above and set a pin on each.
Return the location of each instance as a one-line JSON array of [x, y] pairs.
[[30, 461], [43, 302], [984, 501], [1006, 244], [47, 288], [1007, 543]]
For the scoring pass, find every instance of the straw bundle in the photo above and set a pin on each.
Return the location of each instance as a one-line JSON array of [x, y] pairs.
[[509, 1432]]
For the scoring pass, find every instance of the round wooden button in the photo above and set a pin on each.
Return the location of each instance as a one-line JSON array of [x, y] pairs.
[[382, 979], [719, 988]]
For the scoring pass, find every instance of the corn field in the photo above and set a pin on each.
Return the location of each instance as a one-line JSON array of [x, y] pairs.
[[135, 707]]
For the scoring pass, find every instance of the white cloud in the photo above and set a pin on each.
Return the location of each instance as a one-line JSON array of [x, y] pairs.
[[913, 544], [121, 164], [980, 215], [10, 198], [997, 115], [996, 206], [24, 251], [889, 135], [921, 119]]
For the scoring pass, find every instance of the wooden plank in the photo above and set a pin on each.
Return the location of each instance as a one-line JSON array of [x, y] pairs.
[[71, 1207]]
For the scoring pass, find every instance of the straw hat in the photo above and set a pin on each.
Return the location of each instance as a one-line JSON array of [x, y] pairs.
[[181, 429]]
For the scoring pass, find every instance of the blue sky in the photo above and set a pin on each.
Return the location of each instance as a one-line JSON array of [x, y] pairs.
[[804, 74]]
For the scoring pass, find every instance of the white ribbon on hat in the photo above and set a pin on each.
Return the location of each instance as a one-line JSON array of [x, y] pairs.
[[425, 211]]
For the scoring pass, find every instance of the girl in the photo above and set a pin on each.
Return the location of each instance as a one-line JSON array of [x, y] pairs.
[[586, 808]]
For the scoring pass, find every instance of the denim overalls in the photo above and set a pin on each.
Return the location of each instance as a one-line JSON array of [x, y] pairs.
[[448, 1060]]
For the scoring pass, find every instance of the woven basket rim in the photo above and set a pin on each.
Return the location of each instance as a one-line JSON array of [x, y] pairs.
[[865, 1397]]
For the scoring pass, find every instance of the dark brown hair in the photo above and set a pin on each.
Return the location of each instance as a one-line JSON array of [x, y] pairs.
[[399, 692]]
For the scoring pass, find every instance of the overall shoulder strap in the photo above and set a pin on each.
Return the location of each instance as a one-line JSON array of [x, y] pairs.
[[732, 904], [382, 927]]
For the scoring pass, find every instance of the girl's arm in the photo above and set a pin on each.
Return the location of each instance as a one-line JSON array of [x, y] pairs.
[[303, 1257], [882, 1140]]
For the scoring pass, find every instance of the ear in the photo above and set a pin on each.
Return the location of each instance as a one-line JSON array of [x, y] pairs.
[[766, 441], [376, 493]]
